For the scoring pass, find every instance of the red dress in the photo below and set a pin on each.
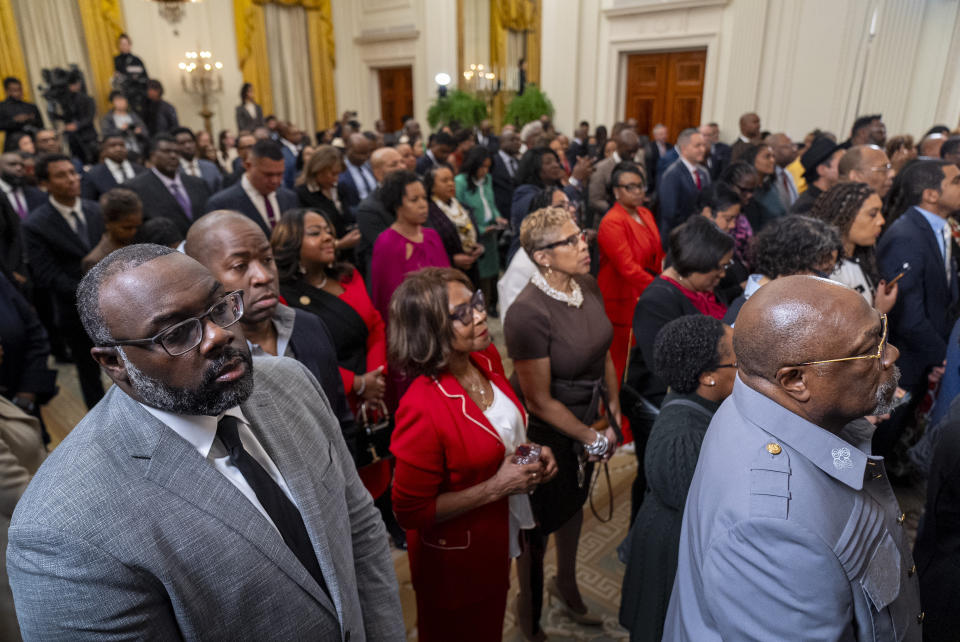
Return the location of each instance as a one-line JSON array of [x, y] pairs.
[[460, 567], [631, 256]]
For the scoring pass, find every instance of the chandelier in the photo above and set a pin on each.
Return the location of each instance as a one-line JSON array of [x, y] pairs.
[[172, 10]]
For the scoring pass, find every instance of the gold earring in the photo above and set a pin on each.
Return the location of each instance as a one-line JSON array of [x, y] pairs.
[[549, 271]]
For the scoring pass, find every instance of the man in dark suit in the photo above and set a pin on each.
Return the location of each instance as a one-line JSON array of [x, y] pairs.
[[503, 170], [224, 239], [206, 497], [245, 141], [749, 135], [486, 137], [291, 144], [191, 165], [22, 197], [17, 115], [57, 236], [356, 182], [921, 320], [372, 217], [79, 113], [579, 146], [113, 171], [681, 182], [441, 145], [718, 154], [165, 192], [260, 194]]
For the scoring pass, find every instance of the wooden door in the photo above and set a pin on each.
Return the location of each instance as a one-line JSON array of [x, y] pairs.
[[665, 88], [396, 95]]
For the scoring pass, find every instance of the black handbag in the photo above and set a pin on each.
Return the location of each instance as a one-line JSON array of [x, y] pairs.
[[375, 427]]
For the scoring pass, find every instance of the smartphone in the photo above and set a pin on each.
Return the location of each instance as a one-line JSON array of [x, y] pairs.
[[903, 270], [900, 400]]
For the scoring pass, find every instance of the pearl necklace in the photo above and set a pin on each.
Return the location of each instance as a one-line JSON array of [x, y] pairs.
[[574, 299]]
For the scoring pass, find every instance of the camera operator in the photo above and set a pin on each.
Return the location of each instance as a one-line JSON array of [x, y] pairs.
[[123, 122], [78, 112], [125, 63], [16, 115], [130, 75]]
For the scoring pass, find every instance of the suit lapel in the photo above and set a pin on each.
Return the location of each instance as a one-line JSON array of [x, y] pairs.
[[933, 246], [165, 195], [70, 239], [297, 465], [178, 467]]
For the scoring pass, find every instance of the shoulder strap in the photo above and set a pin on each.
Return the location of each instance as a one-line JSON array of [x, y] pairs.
[[689, 404]]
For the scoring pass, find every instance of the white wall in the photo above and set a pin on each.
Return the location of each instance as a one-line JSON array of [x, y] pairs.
[[798, 63], [372, 34], [206, 25]]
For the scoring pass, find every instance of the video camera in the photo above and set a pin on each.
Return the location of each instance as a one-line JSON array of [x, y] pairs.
[[56, 90]]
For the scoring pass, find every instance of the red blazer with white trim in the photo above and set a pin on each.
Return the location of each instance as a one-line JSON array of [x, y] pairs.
[[444, 443]]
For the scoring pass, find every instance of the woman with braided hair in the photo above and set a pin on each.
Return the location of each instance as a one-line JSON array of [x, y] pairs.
[[855, 210]]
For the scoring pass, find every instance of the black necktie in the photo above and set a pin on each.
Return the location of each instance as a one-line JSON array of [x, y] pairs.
[[81, 229], [281, 510]]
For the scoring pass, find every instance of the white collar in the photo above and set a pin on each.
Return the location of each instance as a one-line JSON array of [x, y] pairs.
[[616, 157], [744, 138], [251, 191], [198, 430], [293, 148], [195, 163], [64, 210], [690, 166], [5, 186], [114, 166]]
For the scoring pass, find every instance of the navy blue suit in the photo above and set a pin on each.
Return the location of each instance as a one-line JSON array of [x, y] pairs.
[[665, 161], [210, 173], [677, 196], [921, 321], [55, 252], [313, 346], [347, 190], [289, 166], [99, 180], [35, 197], [234, 198]]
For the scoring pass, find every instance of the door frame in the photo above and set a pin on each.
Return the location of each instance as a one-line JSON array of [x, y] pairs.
[[620, 50], [373, 65]]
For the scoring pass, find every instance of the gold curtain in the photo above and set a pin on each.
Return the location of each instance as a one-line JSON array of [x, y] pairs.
[[515, 15], [252, 52], [102, 24], [11, 53]]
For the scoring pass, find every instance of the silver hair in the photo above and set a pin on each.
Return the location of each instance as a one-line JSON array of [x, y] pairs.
[[531, 129]]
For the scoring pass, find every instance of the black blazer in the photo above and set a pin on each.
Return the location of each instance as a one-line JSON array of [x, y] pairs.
[[937, 551], [660, 303], [347, 192], [55, 252], [98, 180], [313, 347], [677, 196], [234, 198], [11, 242], [372, 219], [25, 347], [718, 160], [35, 197], [451, 238], [921, 320], [245, 122], [503, 184], [424, 163], [318, 201], [158, 202]]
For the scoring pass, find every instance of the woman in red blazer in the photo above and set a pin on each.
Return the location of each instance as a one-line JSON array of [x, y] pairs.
[[631, 256], [456, 489]]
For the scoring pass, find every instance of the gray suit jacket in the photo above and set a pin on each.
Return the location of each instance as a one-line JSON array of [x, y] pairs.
[[790, 532], [126, 532]]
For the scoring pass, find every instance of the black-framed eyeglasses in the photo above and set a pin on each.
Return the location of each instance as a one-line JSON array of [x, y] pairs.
[[746, 190], [185, 336], [727, 365], [573, 240], [465, 311], [881, 349], [632, 187]]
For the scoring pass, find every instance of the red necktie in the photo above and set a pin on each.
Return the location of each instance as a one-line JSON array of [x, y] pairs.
[[696, 177], [271, 216]]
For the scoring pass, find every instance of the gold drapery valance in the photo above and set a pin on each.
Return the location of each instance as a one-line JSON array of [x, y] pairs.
[[102, 24], [254, 62]]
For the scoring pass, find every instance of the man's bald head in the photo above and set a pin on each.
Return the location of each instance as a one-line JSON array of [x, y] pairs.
[[205, 238], [628, 143], [797, 320], [789, 320], [358, 149], [867, 164], [384, 161]]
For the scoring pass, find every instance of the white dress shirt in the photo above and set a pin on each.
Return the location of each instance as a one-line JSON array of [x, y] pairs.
[[362, 177], [121, 171], [200, 431], [509, 161], [191, 168], [67, 213], [693, 171], [259, 202]]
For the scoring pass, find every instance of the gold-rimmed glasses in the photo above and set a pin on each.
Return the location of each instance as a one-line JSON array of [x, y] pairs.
[[877, 355]]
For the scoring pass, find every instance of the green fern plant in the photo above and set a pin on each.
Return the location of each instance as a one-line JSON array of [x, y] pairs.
[[459, 106], [528, 106]]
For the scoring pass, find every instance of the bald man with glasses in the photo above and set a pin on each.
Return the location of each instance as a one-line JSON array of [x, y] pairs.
[[791, 529]]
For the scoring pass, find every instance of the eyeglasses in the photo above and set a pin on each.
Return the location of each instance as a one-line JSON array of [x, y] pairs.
[[877, 355], [185, 336], [632, 187], [573, 240], [726, 266], [746, 190], [465, 311], [727, 365], [882, 168]]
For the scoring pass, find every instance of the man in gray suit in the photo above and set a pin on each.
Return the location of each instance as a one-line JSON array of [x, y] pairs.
[[199, 499], [791, 530]]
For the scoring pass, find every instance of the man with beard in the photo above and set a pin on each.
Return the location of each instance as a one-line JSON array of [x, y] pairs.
[[114, 170], [238, 254], [790, 527], [202, 499]]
